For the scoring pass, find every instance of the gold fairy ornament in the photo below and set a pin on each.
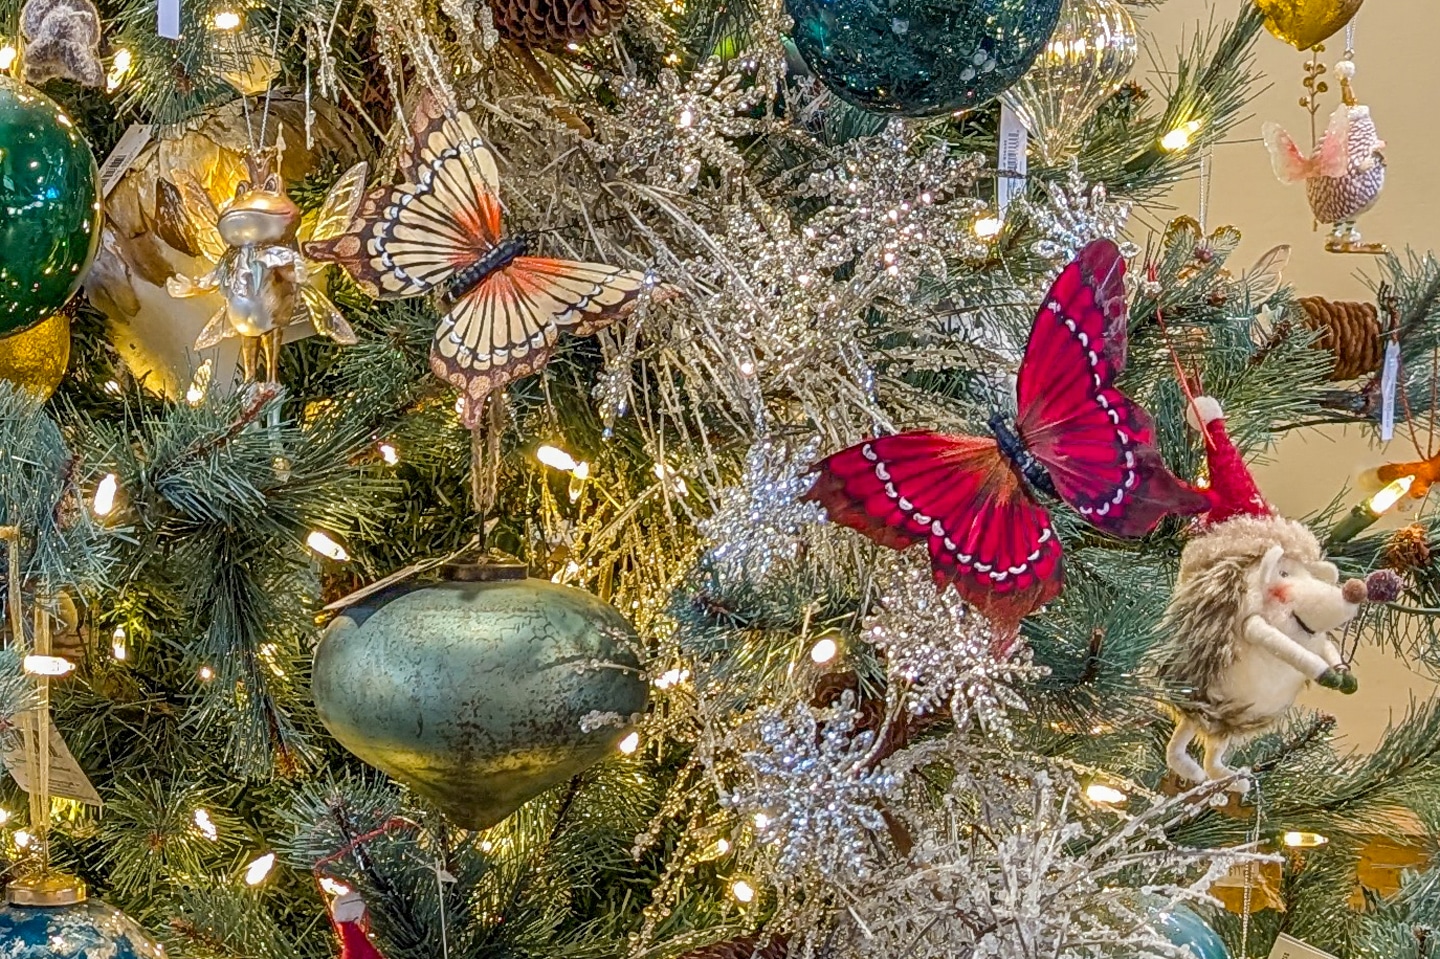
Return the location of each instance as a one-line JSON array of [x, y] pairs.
[[266, 283], [1304, 23], [1089, 57]]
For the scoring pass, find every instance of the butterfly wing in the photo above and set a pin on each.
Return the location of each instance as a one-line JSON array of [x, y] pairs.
[[1095, 442], [507, 327], [957, 494], [443, 216]]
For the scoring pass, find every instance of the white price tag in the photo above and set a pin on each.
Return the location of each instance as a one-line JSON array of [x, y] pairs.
[[1013, 165], [123, 156], [1288, 947], [67, 779], [168, 19], [1389, 382]]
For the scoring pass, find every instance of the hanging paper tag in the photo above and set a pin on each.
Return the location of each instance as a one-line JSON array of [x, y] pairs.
[[67, 779], [1013, 164], [123, 156], [168, 25], [1288, 947], [1389, 381]]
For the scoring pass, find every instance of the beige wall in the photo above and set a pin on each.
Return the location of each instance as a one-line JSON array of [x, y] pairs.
[[1396, 75]]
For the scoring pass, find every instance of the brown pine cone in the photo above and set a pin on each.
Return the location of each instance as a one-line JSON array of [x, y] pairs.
[[1349, 331], [746, 947], [1409, 548], [553, 24]]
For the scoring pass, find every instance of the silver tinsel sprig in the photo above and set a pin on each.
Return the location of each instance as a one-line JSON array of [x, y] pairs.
[[940, 651], [759, 521], [813, 790], [1076, 213]]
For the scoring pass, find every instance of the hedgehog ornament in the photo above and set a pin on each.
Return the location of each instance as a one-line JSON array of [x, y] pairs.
[[1251, 618]]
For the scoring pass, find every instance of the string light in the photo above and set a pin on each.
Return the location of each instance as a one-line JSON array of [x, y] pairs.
[[742, 891], [119, 66], [1179, 138], [677, 482], [824, 650], [389, 454], [323, 544], [200, 383], [4, 816], [762, 821], [1303, 840], [1105, 795], [7, 56], [256, 872], [1364, 515], [47, 665], [630, 743], [722, 846], [206, 825], [112, 387], [672, 677], [227, 20], [118, 648], [105, 495], [988, 226], [22, 838], [556, 458], [206, 674], [332, 887]]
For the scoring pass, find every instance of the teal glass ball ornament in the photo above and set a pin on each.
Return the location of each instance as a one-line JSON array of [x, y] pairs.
[[479, 694], [919, 58], [49, 206], [1184, 927], [84, 930]]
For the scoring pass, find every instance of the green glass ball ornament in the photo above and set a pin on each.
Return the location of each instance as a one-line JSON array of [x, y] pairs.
[[476, 692], [1184, 927], [918, 58], [83, 930], [49, 206]]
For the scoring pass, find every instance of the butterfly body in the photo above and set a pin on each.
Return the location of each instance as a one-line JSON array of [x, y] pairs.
[[496, 258], [971, 499], [1012, 447], [439, 231]]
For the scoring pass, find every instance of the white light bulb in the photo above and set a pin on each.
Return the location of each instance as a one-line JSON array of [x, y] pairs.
[[206, 825], [4, 816], [256, 872], [389, 454], [742, 891], [988, 226], [824, 650], [105, 495], [630, 743], [119, 66], [672, 677], [1179, 138], [1108, 795], [22, 838], [47, 665], [117, 643], [206, 674], [332, 887], [1303, 840], [321, 543], [7, 56], [556, 458], [762, 821], [227, 20], [722, 846], [1390, 495]]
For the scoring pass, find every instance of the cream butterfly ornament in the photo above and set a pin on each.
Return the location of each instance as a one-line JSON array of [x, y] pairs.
[[439, 231]]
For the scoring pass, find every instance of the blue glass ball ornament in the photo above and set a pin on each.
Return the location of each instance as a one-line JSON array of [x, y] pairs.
[[85, 930], [1184, 927], [921, 58]]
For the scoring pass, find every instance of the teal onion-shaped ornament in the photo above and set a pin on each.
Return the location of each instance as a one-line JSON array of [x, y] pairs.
[[49, 207], [920, 58], [1184, 927], [84, 930], [479, 694]]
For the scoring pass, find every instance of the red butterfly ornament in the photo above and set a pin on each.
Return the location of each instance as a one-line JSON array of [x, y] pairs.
[[439, 231], [972, 499]]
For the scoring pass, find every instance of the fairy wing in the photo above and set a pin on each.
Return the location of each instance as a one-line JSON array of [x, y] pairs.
[[186, 216], [1094, 441], [507, 327], [1290, 165], [323, 315], [445, 214], [964, 500], [1262, 280], [340, 206]]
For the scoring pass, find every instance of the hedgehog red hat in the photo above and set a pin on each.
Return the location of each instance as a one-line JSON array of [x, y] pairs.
[[1232, 489]]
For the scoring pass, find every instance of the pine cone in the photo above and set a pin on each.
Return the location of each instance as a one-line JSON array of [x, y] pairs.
[[553, 24], [1409, 548], [1349, 331], [746, 947]]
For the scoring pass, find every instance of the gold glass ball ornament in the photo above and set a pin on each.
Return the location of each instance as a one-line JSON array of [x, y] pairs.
[[1089, 56], [36, 359], [1304, 23]]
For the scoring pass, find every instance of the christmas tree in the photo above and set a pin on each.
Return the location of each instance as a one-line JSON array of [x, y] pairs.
[[671, 479]]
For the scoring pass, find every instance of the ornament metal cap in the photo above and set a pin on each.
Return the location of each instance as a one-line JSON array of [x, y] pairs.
[[45, 890], [488, 567]]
